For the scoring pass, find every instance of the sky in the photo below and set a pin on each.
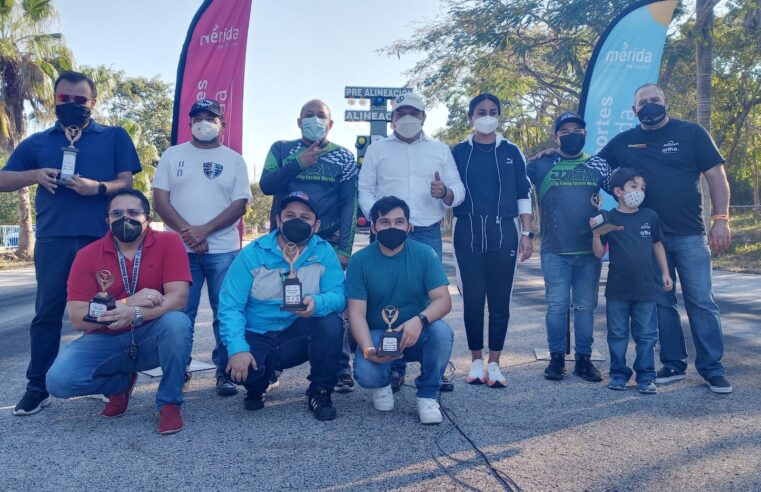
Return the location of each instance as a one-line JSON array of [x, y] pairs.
[[297, 50]]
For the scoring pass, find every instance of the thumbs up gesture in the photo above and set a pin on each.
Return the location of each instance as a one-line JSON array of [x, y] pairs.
[[438, 188]]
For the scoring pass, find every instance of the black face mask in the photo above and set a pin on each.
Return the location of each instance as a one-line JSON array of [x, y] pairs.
[[72, 114], [651, 113], [572, 143], [297, 231], [126, 230], [391, 237]]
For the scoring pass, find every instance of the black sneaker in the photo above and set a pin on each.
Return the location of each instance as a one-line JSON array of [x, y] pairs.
[[719, 384], [556, 370], [32, 402], [225, 387], [345, 383], [397, 382], [668, 375], [320, 403], [253, 401], [585, 370], [446, 385]]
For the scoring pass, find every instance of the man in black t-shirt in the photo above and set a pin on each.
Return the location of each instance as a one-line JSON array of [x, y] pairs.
[[672, 155]]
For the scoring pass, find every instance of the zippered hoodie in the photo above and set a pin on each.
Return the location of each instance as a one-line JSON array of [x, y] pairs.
[[252, 291], [515, 188]]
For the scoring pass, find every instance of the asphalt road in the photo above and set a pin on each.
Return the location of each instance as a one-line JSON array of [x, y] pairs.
[[570, 435]]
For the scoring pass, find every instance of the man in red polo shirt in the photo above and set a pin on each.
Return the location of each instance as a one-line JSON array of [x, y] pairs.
[[147, 328]]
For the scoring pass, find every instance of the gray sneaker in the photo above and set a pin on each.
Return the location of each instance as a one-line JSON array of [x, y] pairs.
[[647, 388]]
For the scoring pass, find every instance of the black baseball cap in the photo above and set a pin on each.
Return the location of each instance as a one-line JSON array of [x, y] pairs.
[[206, 105], [569, 117], [297, 196]]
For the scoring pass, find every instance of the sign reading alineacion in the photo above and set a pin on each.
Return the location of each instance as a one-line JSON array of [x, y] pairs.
[[370, 92], [350, 115]]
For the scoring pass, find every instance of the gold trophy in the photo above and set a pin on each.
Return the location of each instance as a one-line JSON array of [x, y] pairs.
[[293, 299], [391, 340], [602, 224], [102, 301]]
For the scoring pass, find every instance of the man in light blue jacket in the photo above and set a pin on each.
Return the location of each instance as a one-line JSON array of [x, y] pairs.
[[260, 337]]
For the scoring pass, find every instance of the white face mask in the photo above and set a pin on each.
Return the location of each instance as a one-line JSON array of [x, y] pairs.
[[486, 124], [205, 131], [634, 199], [408, 126]]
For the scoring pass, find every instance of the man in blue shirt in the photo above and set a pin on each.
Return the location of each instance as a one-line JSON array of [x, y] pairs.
[[260, 337], [70, 205]]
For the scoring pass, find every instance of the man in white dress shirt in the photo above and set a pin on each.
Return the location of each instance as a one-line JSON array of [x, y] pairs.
[[421, 171], [414, 167]]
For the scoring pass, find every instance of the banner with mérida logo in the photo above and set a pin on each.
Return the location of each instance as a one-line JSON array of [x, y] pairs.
[[627, 56], [212, 66]]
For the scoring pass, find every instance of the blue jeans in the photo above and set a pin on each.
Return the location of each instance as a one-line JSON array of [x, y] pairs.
[[53, 257], [98, 363], [644, 330], [690, 258], [211, 268], [430, 236], [317, 340], [571, 281], [432, 350]]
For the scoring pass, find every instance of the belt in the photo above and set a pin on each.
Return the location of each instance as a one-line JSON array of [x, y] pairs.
[[426, 228]]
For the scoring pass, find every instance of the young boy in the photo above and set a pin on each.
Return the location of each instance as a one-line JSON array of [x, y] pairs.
[[629, 292]]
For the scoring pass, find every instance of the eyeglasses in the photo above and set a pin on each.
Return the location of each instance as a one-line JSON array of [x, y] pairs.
[[66, 98], [118, 213]]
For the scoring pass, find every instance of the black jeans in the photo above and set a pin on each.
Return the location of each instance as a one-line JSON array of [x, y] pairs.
[[317, 340], [53, 257]]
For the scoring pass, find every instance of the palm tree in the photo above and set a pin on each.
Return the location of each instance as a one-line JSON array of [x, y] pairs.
[[704, 61], [30, 59]]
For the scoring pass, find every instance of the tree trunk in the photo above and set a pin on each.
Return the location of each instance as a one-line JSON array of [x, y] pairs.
[[26, 238], [704, 60]]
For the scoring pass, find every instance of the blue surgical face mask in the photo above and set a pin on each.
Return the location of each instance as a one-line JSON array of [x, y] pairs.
[[314, 128]]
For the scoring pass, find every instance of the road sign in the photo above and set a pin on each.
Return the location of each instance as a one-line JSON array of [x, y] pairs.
[[350, 115], [370, 92]]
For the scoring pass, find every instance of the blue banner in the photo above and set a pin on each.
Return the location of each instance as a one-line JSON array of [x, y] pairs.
[[627, 56]]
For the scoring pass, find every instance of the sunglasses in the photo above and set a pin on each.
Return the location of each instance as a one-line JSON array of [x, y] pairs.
[[67, 98], [118, 213]]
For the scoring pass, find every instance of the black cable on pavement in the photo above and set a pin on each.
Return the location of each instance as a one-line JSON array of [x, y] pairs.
[[503, 478]]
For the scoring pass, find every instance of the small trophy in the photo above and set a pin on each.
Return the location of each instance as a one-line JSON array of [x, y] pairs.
[[102, 301], [69, 163], [390, 340], [293, 299], [602, 224]]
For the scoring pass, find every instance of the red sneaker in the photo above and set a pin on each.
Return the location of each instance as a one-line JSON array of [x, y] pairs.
[[117, 404], [170, 419]]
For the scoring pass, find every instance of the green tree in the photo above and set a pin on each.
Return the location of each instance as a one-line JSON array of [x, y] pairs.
[[31, 55], [140, 105], [258, 212]]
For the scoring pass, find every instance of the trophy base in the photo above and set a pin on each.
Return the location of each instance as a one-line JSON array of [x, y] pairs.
[[389, 345], [293, 307], [90, 319]]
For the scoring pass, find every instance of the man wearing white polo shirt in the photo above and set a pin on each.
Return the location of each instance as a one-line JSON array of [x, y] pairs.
[[421, 171], [414, 167], [201, 190]]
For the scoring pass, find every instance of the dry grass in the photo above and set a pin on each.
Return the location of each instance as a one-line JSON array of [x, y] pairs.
[[745, 253]]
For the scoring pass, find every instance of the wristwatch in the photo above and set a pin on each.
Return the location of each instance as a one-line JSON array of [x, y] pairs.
[[102, 190], [528, 234], [367, 350], [138, 317], [424, 320]]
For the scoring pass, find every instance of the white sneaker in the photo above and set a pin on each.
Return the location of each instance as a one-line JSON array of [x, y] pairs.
[[495, 378], [476, 374], [429, 411], [383, 399]]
